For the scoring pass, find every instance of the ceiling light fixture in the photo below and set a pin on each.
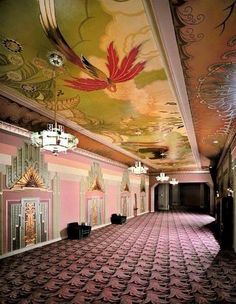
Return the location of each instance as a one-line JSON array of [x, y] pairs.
[[55, 139], [138, 168], [162, 177], [174, 181]]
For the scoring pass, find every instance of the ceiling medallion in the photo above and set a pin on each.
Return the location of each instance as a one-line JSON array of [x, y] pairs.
[[138, 168], [55, 139], [56, 59]]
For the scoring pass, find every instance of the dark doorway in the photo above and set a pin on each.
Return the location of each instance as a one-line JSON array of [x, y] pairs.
[[156, 198], [195, 196]]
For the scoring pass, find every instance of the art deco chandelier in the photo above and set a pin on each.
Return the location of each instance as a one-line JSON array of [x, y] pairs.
[[55, 139]]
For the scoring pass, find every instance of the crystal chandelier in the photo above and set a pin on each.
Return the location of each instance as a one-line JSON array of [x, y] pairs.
[[174, 181], [138, 168], [55, 139], [162, 177]]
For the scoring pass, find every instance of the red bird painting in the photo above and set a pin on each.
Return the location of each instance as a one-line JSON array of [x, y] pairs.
[[126, 71], [99, 80]]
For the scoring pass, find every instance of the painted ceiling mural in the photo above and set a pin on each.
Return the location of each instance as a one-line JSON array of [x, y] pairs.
[[112, 83], [206, 36]]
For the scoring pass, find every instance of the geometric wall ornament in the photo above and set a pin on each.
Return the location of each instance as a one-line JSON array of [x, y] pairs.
[[30, 222], [125, 195], [95, 211], [27, 169], [95, 178], [125, 183], [29, 179], [27, 222]]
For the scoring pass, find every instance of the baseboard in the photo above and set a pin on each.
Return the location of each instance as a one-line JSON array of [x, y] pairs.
[[8, 254], [143, 213], [100, 226]]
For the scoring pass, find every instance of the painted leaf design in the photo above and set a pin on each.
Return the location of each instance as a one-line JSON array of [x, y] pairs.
[[28, 70], [4, 60], [86, 84]]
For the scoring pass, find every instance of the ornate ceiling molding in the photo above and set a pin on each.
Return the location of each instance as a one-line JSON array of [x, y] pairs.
[[11, 94], [14, 129], [161, 22]]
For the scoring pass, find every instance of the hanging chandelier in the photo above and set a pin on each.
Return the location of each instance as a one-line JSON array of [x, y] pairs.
[[174, 181], [162, 177], [55, 139], [138, 168]]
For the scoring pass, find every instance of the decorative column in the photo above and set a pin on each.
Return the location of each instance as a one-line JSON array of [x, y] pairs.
[[56, 206]]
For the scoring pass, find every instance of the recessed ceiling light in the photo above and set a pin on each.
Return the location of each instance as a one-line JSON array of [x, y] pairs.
[[215, 142]]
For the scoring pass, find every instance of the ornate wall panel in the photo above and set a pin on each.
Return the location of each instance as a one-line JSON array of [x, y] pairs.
[[142, 202], [96, 211], [28, 169], [125, 183], [125, 195], [15, 226], [125, 202], [27, 222], [95, 178]]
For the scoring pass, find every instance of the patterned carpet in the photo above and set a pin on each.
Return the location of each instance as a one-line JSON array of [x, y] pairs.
[[167, 257]]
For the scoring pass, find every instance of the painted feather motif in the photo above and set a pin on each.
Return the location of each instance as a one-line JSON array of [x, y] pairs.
[[127, 70]]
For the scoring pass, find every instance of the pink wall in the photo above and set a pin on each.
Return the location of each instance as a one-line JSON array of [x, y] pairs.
[[70, 198], [7, 149], [14, 141], [111, 200]]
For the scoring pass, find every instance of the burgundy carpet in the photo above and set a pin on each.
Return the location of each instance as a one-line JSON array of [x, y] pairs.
[[167, 257]]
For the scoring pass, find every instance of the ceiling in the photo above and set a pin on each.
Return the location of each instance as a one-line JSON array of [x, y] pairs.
[[149, 80]]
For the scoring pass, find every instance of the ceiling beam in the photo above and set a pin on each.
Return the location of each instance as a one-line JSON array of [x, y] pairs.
[[159, 15]]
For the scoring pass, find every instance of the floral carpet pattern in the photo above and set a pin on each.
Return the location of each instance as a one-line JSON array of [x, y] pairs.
[[159, 258]]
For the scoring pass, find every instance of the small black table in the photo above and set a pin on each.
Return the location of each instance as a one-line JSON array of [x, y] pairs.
[[76, 231], [84, 230]]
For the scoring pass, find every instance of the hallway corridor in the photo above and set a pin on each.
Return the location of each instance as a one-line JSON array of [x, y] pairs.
[[159, 258]]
